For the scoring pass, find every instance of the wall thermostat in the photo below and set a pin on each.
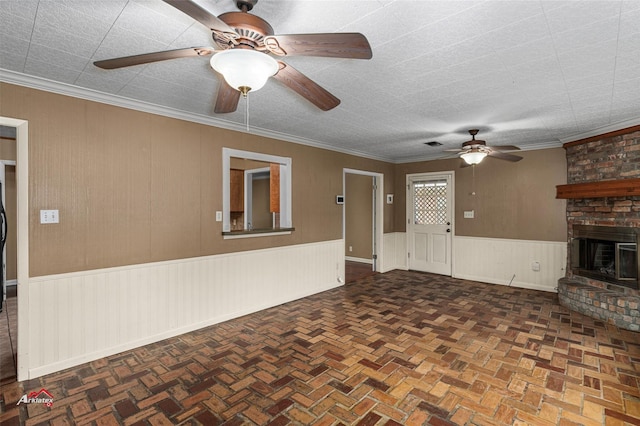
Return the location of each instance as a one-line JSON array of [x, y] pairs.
[[339, 199]]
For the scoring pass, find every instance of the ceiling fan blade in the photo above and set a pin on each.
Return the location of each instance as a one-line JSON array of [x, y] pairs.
[[505, 148], [145, 58], [331, 45], [306, 87], [228, 97], [504, 156], [201, 15]]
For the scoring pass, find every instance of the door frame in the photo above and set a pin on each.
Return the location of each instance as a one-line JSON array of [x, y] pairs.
[[409, 209], [378, 213], [22, 237]]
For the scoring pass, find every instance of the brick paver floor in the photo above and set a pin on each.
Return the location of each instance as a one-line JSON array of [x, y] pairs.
[[400, 348]]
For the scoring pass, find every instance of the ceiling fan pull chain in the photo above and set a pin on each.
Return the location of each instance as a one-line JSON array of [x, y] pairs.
[[473, 180], [246, 111]]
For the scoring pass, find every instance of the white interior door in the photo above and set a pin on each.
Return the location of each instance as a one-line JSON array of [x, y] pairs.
[[430, 222]]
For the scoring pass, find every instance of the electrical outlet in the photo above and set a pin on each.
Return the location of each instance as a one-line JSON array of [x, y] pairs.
[[49, 216], [535, 266]]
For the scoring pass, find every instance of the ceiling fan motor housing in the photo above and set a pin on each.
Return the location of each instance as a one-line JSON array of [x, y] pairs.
[[250, 28], [474, 143]]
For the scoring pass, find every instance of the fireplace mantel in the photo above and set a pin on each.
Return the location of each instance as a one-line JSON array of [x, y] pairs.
[[606, 188]]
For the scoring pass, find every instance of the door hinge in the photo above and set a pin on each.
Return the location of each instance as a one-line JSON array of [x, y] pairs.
[[375, 257], [409, 255]]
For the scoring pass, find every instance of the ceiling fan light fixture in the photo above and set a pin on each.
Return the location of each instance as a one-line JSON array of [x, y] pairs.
[[473, 157], [244, 69]]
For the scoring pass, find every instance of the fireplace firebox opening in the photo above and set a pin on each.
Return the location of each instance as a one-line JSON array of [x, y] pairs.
[[607, 254]]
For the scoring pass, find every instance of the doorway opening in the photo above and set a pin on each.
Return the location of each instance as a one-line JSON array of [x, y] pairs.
[[362, 220], [8, 273], [21, 167], [8, 270]]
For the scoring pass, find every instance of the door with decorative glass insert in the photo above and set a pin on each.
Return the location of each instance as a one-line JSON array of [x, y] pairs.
[[429, 222]]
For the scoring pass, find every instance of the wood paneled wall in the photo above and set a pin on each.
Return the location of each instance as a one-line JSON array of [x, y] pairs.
[[133, 187]]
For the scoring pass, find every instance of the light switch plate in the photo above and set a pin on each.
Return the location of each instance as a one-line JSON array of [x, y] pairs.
[[218, 216], [49, 216]]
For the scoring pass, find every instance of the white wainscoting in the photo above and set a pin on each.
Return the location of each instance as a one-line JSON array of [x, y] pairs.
[[493, 260], [505, 261], [79, 317], [395, 251]]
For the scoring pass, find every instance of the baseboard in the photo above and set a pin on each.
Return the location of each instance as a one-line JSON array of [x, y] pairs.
[[507, 283], [358, 259]]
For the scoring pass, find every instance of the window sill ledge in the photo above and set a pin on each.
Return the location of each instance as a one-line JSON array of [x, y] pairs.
[[230, 235]]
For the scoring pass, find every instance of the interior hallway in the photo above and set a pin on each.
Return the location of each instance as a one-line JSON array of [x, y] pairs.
[[400, 348], [354, 271]]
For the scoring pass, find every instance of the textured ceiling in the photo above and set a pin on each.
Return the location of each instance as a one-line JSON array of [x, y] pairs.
[[528, 73]]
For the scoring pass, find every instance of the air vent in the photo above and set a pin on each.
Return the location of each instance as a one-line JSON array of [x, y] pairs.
[[433, 143]]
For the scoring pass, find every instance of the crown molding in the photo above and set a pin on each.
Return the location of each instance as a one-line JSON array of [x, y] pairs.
[[440, 156], [47, 85], [610, 128]]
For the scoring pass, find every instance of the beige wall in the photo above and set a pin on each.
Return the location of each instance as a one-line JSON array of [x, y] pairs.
[[512, 200], [133, 187], [358, 216]]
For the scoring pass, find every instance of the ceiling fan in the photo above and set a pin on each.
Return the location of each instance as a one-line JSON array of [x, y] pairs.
[[474, 151], [246, 43]]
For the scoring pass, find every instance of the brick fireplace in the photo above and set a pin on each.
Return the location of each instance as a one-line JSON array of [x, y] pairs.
[[603, 194]]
